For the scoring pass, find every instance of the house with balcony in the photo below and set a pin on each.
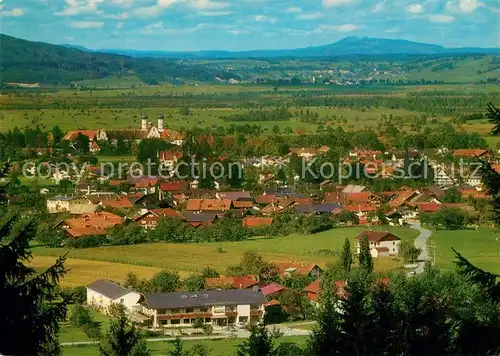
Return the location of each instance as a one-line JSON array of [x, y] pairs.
[[217, 307]]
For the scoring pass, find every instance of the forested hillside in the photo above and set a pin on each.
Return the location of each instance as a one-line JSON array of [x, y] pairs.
[[36, 62]]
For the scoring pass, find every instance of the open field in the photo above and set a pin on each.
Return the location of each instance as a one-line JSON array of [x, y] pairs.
[[222, 347], [479, 246], [126, 118], [114, 262], [85, 271]]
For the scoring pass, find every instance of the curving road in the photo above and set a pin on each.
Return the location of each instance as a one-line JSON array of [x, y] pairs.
[[421, 243]]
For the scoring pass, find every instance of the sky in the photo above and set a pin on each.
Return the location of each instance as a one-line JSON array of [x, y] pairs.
[[185, 25]]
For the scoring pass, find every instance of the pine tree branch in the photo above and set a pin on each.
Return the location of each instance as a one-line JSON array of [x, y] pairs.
[[487, 280], [493, 116]]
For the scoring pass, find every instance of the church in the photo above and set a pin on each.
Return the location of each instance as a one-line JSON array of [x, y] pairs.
[[147, 131]]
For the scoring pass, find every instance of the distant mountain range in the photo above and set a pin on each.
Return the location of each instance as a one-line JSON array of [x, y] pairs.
[[37, 62], [346, 46]]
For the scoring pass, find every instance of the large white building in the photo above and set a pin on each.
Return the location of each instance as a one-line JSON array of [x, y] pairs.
[[102, 293], [217, 307]]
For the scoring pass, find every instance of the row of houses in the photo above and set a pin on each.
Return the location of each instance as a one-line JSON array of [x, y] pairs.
[[227, 300], [398, 207]]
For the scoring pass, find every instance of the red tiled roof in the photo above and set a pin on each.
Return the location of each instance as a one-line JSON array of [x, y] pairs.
[[241, 204], [168, 212], [362, 197], [92, 223], [173, 186], [428, 207], [334, 197], [377, 236], [272, 303], [301, 201], [313, 289], [470, 152], [120, 203], [238, 282], [250, 221], [401, 198], [360, 207], [382, 249], [146, 182], [72, 135], [466, 193], [170, 155], [272, 289], [299, 268], [208, 204], [265, 199]]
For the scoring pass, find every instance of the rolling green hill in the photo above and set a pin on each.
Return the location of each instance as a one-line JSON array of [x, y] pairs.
[[36, 62]]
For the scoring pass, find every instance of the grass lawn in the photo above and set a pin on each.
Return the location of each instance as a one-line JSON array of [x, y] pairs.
[[114, 262], [478, 246], [71, 333], [222, 347], [83, 272]]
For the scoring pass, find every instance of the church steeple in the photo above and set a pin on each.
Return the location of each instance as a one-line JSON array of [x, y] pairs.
[[144, 122], [160, 123]]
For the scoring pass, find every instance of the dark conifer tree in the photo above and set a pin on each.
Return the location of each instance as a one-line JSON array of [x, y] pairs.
[[365, 257], [493, 116], [31, 304]]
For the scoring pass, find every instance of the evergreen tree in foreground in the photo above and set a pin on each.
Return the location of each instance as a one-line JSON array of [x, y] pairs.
[[31, 306], [122, 337], [346, 256], [260, 342], [493, 116], [365, 257]]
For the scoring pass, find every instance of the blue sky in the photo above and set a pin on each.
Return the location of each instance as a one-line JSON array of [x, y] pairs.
[[248, 24]]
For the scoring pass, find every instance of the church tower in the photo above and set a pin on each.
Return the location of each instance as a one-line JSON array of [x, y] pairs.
[[144, 122], [160, 123]]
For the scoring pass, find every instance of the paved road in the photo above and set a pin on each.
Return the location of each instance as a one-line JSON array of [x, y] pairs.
[[287, 331], [421, 243]]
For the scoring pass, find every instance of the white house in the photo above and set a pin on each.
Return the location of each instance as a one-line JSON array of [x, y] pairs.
[[382, 243], [102, 293], [63, 204], [217, 307]]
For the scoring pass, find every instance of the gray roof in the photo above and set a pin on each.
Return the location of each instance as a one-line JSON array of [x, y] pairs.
[[317, 208], [234, 195], [194, 216], [108, 288], [203, 298]]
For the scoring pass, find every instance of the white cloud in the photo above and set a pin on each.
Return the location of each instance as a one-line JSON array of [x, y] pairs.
[[120, 16], [310, 16], [209, 4], [439, 18], [415, 8], [119, 25], [76, 7], [159, 29], [348, 27], [16, 12], [214, 13], [379, 7], [147, 12], [264, 18], [463, 6], [293, 10], [124, 3], [87, 24], [155, 10], [334, 3]]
